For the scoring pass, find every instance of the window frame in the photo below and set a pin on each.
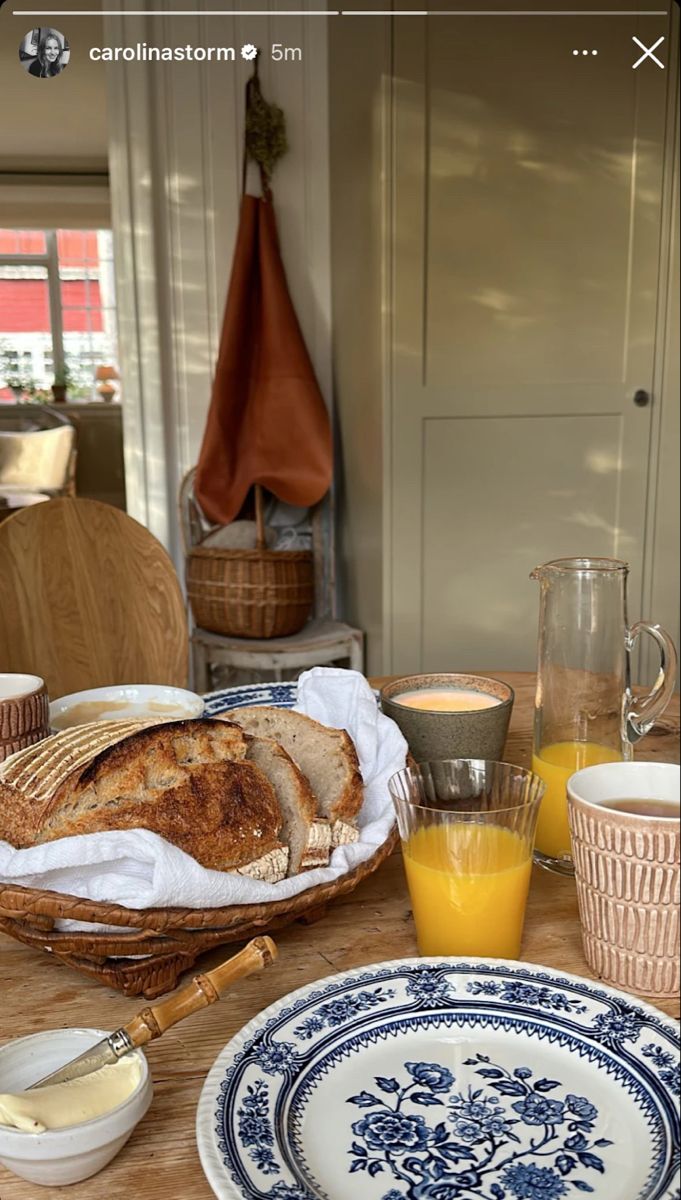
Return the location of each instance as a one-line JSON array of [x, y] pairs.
[[49, 260]]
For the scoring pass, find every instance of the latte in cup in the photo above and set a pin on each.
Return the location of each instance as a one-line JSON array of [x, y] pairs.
[[446, 715]]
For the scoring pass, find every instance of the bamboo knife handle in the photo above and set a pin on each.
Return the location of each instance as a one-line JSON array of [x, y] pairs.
[[203, 990]]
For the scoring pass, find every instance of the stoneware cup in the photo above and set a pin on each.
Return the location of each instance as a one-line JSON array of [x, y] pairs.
[[433, 736], [24, 712], [627, 873]]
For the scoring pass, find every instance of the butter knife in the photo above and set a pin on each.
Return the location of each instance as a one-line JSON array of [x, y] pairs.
[[151, 1022]]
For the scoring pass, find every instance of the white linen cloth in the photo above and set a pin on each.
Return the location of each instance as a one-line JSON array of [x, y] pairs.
[[139, 869]]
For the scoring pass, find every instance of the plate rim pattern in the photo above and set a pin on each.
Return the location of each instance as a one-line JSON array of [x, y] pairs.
[[279, 695]]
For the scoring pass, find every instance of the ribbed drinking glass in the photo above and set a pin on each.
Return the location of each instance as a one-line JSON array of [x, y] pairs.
[[467, 828]]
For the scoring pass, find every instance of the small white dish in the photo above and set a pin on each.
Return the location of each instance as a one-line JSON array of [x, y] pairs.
[[61, 1156], [123, 701]]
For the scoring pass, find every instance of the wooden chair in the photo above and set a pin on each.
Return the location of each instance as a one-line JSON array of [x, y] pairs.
[[321, 642], [88, 597]]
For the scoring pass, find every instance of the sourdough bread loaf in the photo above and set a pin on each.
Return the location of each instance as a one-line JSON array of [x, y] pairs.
[[188, 781], [327, 757]]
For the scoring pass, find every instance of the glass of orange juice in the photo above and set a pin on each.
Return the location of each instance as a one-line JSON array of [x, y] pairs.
[[467, 828]]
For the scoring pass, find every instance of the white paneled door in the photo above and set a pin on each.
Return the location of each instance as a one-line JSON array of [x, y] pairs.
[[525, 249]]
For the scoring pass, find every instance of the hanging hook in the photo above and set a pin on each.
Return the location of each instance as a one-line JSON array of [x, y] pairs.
[[253, 81]]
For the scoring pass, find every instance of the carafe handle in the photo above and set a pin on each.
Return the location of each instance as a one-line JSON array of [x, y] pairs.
[[640, 716]]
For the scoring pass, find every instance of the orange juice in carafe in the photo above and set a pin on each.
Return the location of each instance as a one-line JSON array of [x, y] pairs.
[[468, 885], [555, 764], [585, 711]]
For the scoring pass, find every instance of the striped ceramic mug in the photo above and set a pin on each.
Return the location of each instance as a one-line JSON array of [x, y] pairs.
[[24, 712], [626, 832]]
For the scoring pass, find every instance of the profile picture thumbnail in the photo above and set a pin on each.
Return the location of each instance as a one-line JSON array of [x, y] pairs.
[[44, 53]]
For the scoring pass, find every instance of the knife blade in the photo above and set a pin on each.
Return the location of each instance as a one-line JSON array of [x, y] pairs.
[[104, 1053], [151, 1022]]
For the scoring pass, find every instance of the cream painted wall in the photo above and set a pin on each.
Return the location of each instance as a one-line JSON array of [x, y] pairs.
[[55, 124], [360, 162], [175, 165]]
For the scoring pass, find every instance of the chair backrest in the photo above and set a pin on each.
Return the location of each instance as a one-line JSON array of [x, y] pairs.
[[38, 458], [88, 597], [193, 524]]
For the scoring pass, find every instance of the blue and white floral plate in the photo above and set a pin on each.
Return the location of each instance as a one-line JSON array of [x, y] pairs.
[[280, 695], [440, 1079]]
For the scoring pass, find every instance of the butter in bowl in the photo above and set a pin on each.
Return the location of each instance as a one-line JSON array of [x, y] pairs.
[[448, 715], [77, 1129], [123, 702], [68, 1105]]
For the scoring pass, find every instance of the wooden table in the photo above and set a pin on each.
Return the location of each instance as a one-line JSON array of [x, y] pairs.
[[372, 924]]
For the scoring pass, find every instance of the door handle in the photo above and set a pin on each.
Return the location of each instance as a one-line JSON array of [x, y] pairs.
[[641, 398]]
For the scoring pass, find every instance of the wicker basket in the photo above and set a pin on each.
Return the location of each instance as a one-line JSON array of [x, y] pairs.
[[170, 938], [250, 593], [257, 593]]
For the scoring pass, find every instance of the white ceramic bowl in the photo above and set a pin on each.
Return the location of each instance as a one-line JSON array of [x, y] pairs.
[[61, 1156], [121, 701]]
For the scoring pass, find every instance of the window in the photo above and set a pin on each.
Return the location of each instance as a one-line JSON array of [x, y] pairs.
[[57, 310]]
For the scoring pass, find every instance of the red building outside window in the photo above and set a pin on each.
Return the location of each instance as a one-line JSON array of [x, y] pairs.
[[57, 311]]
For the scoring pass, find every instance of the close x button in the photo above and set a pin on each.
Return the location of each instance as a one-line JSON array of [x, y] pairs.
[[648, 53]]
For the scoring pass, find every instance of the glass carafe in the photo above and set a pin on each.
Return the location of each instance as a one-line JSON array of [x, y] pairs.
[[585, 711]]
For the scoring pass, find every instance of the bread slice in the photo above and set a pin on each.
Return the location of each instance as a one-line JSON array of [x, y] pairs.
[[308, 836], [185, 780], [326, 756]]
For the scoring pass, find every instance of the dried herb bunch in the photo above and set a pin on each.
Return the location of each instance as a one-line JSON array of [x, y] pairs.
[[265, 130]]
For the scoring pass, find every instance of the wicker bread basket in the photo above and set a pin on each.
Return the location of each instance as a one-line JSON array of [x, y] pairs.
[[137, 950], [170, 938], [257, 593]]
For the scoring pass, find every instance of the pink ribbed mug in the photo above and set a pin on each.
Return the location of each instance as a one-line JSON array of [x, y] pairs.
[[24, 712], [626, 860]]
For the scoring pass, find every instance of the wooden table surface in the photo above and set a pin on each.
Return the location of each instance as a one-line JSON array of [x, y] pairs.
[[370, 925]]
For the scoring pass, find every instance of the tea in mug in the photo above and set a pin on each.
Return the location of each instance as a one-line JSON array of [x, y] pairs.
[[643, 808]]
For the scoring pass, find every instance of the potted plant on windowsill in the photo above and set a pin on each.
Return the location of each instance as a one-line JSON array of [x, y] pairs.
[[60, 386], [10, 374], [16, 387]]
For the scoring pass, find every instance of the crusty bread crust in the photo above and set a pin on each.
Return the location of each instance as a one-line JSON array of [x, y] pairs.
[[153, 759], [225, 815], [30, 779], [343, 834], [314, 748], [184, 780]]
